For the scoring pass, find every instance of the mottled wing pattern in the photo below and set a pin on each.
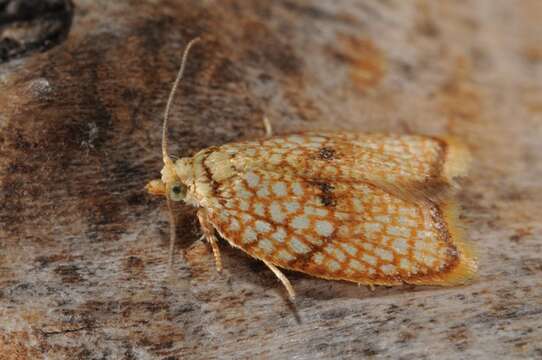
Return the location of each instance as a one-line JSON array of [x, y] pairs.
[[343, 229], [405, 165]]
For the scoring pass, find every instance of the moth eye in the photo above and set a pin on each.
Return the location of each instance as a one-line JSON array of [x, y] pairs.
[[177, 192]]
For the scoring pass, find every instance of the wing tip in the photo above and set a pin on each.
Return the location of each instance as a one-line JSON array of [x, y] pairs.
[[458, 159], [457, 163], [465, 271]]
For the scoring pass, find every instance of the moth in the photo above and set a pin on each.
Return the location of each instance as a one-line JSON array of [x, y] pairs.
[[374, 209]]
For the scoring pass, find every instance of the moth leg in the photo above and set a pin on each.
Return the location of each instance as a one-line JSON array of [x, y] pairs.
[[283, 279], [267, 126], [209, 234]]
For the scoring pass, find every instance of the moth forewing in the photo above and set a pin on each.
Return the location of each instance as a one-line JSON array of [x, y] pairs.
[[335, 227]]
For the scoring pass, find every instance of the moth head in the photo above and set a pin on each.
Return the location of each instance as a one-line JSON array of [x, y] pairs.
[[170, 185], [173, 189]]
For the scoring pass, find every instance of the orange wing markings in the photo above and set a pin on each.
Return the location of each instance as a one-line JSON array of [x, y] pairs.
[[408, 166], [349, 231]]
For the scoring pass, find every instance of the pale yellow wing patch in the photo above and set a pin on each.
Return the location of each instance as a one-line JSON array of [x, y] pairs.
[[349, 230]]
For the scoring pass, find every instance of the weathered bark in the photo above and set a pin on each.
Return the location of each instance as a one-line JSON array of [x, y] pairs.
[[83, 249]]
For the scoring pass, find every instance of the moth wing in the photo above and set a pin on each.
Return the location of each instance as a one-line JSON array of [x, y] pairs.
[[341, 230], [412, 167]]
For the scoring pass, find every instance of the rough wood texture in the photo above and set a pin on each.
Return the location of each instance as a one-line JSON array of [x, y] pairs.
[[83, 250]]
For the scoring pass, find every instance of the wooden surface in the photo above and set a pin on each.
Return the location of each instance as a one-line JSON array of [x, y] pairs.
[[83, 249]]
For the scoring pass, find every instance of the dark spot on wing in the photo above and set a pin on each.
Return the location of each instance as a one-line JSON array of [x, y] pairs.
[[327, 198], [327, 153]]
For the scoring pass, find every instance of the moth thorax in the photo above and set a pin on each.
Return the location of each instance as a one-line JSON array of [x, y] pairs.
[[184, 169]]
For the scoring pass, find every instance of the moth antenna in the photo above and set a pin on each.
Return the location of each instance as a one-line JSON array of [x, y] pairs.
[[170, 99]]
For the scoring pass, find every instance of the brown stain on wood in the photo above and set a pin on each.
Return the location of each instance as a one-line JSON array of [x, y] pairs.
[[532, 99], [459, 99], [68, 273], [533, 54], [521, 233], [17, 346], [367, 62], [200, 259], [425, 22], [134, 264]]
